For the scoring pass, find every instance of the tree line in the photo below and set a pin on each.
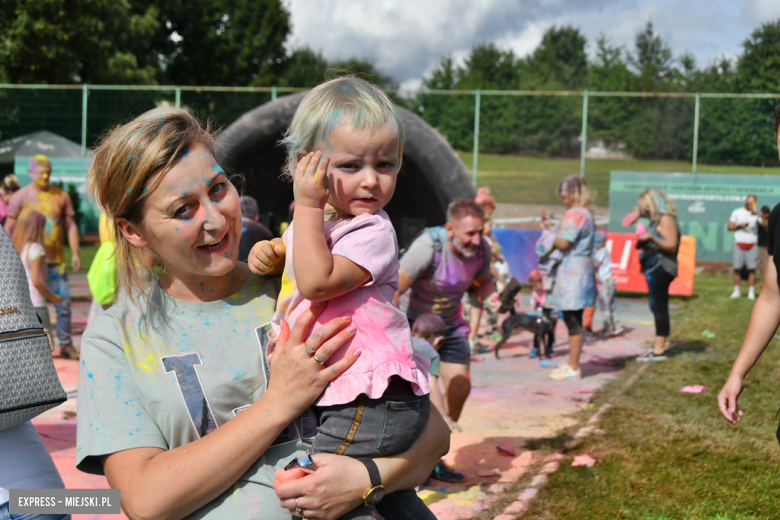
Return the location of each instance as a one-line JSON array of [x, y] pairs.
[[240, 43]]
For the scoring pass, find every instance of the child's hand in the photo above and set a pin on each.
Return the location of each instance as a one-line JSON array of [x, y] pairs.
[[57, 299], [310, 184], [266, 255]]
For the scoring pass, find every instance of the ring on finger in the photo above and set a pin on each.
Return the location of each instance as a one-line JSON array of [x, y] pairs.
[[310, 351], [318, 360]]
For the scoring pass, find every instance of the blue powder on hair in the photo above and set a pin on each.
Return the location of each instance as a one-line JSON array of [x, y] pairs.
[[139, 132], [185, 153]]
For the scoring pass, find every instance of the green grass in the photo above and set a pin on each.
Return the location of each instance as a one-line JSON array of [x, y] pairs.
[[668, 455], [515, 178]]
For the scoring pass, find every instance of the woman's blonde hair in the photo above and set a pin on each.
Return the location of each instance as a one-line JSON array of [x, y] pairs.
[[342, 100], [656, 203], [577, 187], [125, 159], [30, 227]]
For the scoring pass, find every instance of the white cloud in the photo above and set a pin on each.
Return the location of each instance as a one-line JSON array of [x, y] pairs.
[[406, 38]]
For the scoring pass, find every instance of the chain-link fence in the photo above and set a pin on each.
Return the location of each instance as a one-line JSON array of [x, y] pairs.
[[520, 143]]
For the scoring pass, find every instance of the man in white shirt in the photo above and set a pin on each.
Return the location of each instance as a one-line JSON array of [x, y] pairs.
[[744, 223]]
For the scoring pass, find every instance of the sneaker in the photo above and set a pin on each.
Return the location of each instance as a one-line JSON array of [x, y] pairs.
[[651, 356], [69, 352], [445, 474], [482, 349], [548, 352], [736, 294], [751, 295], [495, 336], [534, 353], [617, 331], [589, 338], [546, 363], [565, 372]]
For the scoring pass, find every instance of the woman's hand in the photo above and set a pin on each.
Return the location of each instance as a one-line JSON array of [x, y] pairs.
[[267, 257], [727, 399], [298, 378], [641, 239], [336, 488], [310, 183]]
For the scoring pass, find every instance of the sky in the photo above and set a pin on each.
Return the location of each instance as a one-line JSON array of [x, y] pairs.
[[406, 38]]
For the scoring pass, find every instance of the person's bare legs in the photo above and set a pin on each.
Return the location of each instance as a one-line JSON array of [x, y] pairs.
[[737, 277], [575, 349], [752, 278], [457, 386], [659, 345]]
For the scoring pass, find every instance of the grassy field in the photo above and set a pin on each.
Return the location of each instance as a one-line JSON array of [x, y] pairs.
[[667, 455], [515, 178]]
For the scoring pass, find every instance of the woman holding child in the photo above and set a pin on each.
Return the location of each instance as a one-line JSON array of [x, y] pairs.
[[574, 287], [178, 404]]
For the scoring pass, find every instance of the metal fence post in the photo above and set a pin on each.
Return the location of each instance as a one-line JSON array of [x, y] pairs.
[[177, 101], [695, 133], [475, 162], [273, 93], [583, 147], [84, 95]]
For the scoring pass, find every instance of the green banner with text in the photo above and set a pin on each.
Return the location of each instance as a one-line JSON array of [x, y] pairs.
[[704, 203]]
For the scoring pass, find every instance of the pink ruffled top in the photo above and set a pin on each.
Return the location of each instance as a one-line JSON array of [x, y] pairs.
[[383, 333]]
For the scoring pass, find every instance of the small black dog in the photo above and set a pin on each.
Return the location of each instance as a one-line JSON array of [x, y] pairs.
[[541, 326]]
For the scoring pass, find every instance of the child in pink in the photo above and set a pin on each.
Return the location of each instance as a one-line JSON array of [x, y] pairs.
[[345, 146]]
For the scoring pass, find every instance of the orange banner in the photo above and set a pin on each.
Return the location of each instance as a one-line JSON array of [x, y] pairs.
[[627, 272]]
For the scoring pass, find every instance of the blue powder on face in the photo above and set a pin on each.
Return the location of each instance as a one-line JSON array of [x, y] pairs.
[[185, 153], [219, 168]]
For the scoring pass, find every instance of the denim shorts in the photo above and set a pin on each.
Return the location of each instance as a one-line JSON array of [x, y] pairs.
[[373, 427], [5, 515]]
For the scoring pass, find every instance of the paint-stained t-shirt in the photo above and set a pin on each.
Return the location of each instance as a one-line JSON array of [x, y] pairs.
[[178, 371], [440, 292], [383, 335], [55, 205]]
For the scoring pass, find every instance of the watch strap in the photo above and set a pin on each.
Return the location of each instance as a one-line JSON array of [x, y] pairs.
[[373, 472]]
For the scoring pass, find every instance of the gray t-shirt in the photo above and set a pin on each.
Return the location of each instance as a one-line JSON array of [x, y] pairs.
[[177, 371], [441, 292], [427, 350]]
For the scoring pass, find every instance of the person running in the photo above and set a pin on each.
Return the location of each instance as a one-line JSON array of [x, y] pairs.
[[56, 206], [437, 269]]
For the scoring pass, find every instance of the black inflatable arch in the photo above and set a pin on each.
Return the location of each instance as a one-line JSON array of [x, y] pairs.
[[431, 177]]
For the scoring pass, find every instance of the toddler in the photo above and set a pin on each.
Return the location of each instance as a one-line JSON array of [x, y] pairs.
[[602, 261], [538, 294], [347, 140], [28, 239]]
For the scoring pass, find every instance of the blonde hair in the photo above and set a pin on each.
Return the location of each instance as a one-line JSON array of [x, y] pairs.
[[577, 187], [125, 159], [30, 227], [656, 203], [342, 100]]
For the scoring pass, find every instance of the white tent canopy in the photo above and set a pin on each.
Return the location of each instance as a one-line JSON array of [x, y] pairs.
[[43, 142]]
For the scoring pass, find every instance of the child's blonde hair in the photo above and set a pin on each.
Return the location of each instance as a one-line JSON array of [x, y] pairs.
[[344, 100], [125, 159], [30, 227]]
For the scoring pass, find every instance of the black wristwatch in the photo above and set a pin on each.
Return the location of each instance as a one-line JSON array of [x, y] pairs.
[[377, 491]]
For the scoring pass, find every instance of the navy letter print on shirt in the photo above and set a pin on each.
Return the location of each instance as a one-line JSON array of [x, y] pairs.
[[195, 400]]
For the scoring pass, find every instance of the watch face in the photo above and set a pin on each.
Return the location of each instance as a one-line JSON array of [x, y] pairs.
[[375, 496]]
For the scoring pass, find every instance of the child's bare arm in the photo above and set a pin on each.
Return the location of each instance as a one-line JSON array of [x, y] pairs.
[[319, 275]]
